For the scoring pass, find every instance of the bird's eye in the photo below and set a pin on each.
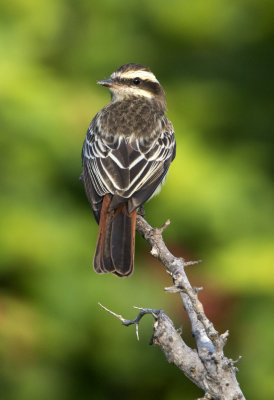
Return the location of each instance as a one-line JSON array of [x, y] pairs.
[[136, 81]]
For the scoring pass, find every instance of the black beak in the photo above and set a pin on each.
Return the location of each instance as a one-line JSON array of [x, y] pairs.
[[106, 82]]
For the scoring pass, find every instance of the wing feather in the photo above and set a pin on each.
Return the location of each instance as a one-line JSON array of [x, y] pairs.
[[128, 169]]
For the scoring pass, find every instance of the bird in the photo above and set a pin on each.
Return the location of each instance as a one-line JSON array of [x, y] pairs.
[[126, 155]]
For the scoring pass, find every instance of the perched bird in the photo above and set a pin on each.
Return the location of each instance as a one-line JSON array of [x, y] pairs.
[[126, 155]]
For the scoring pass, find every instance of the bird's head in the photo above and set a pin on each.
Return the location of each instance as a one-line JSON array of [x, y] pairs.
[[134, 80]]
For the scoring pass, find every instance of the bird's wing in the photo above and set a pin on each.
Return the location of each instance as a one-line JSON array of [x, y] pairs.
[[128, 169], [158, 157]]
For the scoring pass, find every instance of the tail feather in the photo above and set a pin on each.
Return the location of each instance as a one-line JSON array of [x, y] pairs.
[[116, 240], [98, 263], [126, 268], [123, 241], [106, 248]]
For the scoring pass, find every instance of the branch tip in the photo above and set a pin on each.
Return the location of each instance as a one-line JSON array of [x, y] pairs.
[[189, 263], [198, 289], [113, 313], [224, 336], [137, 331], [179, 330], [173, 289], [236, 361], [159, 231], [164, 226]]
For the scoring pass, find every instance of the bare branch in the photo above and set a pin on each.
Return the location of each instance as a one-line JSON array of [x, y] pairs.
[[220, 380], [207, 365]]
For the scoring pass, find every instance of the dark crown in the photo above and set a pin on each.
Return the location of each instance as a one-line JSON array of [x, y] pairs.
[[132, 67]]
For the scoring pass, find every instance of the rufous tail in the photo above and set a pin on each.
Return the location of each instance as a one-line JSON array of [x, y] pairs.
[[116, 240]]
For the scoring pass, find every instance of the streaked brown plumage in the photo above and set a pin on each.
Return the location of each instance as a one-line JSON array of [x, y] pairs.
[[126, 155]]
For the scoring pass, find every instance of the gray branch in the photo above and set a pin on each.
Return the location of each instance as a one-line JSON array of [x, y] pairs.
[[207, 365]]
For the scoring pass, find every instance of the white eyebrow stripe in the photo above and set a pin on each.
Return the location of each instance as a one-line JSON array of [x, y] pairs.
[[139, 74]]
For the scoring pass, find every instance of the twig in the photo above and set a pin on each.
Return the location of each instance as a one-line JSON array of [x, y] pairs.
[[135, 321]]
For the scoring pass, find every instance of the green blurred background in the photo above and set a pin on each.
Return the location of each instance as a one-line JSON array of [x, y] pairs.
[[215, 61]]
